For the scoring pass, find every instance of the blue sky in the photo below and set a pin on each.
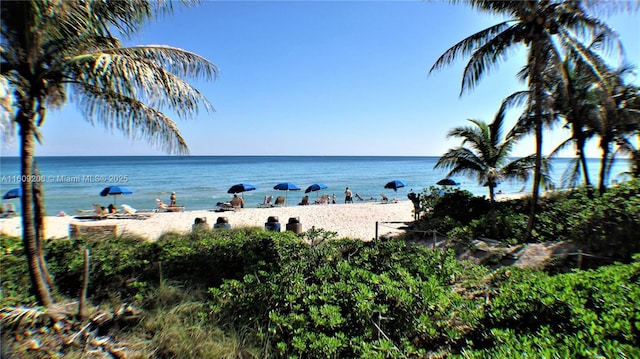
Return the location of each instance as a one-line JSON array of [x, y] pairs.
[[321, 78]]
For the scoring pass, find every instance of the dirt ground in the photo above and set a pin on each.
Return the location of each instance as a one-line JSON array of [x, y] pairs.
[[494, 253]]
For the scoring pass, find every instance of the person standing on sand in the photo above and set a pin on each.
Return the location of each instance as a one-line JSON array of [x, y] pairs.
[[334, 198], [172, 199], [347, 196]]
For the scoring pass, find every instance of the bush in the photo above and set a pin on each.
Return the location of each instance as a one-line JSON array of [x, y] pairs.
[[380, 294], [14, 273], [576, 315]]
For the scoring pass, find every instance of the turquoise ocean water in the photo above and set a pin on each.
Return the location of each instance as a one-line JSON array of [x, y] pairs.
[[202, 181]]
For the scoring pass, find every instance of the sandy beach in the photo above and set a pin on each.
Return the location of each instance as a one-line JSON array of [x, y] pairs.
[[357, 220]]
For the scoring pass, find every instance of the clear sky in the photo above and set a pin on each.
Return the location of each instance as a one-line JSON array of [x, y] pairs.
[[321, 78]]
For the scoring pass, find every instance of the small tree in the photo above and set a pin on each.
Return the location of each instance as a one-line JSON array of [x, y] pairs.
[[484, 154]]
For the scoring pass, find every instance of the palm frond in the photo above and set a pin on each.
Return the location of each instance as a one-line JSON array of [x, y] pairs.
[[488, 55], [571, 175], [20, 316], [177, 61], [468, 45], [129, 116], [137, 78]]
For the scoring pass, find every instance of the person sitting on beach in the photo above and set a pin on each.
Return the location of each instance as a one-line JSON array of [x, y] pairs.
[[305, 201], [334, 199], [237, 202], [111, 208], [161, 205], [10, 209]]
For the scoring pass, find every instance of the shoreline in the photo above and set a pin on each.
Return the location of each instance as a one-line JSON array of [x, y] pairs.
[[356, 220]]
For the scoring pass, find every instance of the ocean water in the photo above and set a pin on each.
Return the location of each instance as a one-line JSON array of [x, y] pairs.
[[200, 182]]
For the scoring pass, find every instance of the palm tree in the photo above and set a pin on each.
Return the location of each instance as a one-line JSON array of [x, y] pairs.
[[577, 107], [484, 154], [618, 118], [535, 24], [53, 51]]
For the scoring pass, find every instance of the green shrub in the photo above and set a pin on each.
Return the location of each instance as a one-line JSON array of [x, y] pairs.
[[350, 299], [14, 273], [584, 314]]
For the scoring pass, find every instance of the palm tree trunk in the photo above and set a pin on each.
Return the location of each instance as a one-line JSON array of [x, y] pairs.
[[604, 164], [27, 150], [39, 225], [535, 84], [585, 170], [492, 210]]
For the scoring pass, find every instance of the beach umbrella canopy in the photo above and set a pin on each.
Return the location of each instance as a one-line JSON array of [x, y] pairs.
[[286, 186], [241, 187], [394, 185], [447, 182], [315, 187], [13, 193], [114, 191]]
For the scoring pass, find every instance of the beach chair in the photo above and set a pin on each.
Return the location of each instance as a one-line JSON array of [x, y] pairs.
[[127, 209], [280, 201], [385, 199], [161, 205], [98, 212], [359, 197], [266, 203], [129, 212]]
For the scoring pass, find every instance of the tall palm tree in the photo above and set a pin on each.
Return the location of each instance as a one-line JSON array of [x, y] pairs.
[[484, 154], [629, 143], [618, 118], [53, 51], [577, 108], [534, 24]]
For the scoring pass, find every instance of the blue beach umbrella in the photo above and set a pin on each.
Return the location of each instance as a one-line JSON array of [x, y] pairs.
[[241, 188], [13, 193], [286, 186], [394, 185], [316, 187], [447, 182], [114, 191]]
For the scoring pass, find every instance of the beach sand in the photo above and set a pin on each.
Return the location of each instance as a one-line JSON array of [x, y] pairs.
[[357, 220]]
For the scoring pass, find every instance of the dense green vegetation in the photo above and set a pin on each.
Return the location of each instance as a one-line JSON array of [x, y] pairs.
[[608, 224], [247, 293]]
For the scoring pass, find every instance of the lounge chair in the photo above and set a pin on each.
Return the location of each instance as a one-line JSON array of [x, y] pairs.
[[359, 197], [131, 213], [280, 201], [8, 210], [266, 203], [305, 201], [128, 209], [98, 212], [161, 205]]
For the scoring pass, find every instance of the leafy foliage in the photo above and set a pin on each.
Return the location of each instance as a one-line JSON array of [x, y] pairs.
[[577, 315], [250, 293], [351, 299], [607, 223]]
